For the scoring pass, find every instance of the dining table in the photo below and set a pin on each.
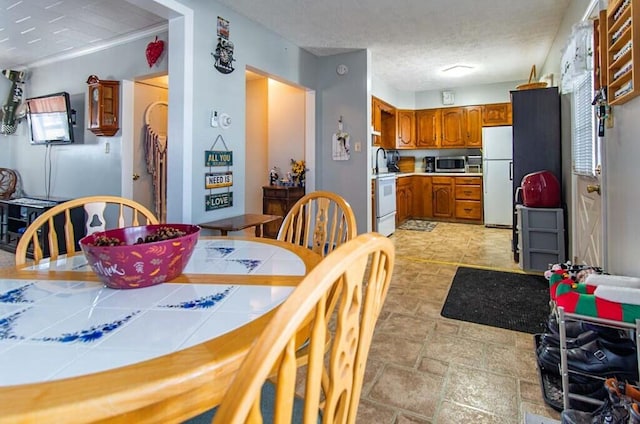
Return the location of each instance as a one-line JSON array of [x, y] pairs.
[[73, 350]]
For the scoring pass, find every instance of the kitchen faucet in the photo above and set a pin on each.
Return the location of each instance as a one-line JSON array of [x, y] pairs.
[[384, 156]]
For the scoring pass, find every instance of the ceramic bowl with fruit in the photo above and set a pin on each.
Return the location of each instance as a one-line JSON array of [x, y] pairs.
[[135, 257]]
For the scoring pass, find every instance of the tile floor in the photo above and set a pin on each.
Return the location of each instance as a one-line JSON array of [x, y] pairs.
[[424, 368]]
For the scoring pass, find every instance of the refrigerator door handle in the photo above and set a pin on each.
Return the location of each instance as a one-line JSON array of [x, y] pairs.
[[485, 175], [511, 170]]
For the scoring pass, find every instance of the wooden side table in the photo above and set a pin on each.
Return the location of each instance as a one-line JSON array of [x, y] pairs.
[[278, 200], [240, 222]]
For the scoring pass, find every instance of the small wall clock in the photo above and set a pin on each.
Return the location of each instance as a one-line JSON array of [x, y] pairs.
[[103, 106], [447, 98]]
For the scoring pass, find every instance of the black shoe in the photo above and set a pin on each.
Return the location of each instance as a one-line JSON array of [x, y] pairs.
[[610, 412], [599, 357], [574, 328], [553, 340]]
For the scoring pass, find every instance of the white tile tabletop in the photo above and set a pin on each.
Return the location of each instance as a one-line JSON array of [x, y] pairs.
[[57, 329]]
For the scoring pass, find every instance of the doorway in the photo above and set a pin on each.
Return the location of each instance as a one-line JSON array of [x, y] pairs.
[[145, 105], [279, 127]]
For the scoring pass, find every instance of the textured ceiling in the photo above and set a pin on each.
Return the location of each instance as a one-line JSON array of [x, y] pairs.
[[411, 41], [35, 30]]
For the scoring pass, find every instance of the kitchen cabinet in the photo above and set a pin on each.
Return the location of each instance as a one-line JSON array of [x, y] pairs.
[[426, 209], [428, 128], [277, 200], [461, 127], [383, 119], [623, 47], [442, 197], [468, 198], [404, 199], [406, 130], [473, 126], [452, 127], [496, 115], [376, 120]]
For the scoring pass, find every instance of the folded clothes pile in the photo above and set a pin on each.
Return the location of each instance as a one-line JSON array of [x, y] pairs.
[[610, 297]]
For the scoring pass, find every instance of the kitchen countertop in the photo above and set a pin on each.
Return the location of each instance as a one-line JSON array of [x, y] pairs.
[[429, 174]]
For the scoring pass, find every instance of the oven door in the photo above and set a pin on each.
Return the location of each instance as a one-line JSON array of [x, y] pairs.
[[385, 195]]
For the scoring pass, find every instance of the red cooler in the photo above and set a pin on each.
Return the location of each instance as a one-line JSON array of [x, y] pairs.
[[540, 190]]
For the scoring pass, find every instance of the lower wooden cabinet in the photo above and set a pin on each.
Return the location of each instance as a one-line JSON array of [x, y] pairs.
[[442, 197], [404, 198], [278, 200], [468, 198], [456, 198]]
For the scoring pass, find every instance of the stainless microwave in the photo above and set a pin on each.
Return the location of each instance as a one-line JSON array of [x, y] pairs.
[[450, 164]]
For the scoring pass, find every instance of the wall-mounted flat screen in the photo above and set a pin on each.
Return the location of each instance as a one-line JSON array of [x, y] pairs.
[[50, 119]]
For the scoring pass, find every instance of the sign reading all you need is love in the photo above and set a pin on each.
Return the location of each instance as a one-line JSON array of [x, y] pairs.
[[216, 180]]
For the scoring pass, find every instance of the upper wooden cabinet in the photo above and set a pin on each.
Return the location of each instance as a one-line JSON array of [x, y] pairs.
[[473, 126], [103, 106], [447, 128], [497, 114], [461, 127], [406, 120], [452, 127], [376, 119], [383, 119], [428, 128]]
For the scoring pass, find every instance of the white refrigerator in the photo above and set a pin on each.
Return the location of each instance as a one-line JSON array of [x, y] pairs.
[[497, 176]]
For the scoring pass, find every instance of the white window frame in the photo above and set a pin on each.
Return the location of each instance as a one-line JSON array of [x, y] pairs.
[[584, 151]]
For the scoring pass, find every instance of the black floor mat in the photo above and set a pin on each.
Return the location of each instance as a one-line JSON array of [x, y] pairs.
[[514, 301]]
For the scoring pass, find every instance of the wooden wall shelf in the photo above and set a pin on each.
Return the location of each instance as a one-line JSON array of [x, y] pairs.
[[623, 50]]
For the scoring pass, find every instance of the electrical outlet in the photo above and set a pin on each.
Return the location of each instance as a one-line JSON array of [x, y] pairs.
[[357, 146], [107, 147]]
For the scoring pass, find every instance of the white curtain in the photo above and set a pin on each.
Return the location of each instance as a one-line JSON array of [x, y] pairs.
[[577, 57]]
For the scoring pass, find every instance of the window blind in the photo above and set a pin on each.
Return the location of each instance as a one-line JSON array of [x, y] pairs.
[[584, 130]]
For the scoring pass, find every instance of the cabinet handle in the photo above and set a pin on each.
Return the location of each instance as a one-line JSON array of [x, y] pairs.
[[467, 209]]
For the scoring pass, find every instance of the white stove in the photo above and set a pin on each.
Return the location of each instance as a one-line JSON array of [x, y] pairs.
[[386, 203]]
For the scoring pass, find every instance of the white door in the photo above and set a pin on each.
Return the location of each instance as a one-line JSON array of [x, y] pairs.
[[497, 184], [588, 222], [497, 143]]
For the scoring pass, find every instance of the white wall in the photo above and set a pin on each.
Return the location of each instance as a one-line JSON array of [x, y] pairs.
[[346, 96], [78, 169], [623, 201], [257, 143], [286, 126], [466, 96]]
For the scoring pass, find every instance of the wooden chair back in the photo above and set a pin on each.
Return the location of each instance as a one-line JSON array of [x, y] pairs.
[[320, 220], [129, 213], [360, 272], [8, 182]]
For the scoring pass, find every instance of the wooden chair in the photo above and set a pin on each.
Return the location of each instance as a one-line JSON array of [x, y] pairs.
[[321, 220], [360, 272], [121, 212], [8, 182]]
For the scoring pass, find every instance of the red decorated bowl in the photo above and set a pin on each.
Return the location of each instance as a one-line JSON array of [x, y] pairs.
[[131, 265]]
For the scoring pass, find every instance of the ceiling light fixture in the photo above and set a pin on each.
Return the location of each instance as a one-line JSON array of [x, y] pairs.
[[458, 70]]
